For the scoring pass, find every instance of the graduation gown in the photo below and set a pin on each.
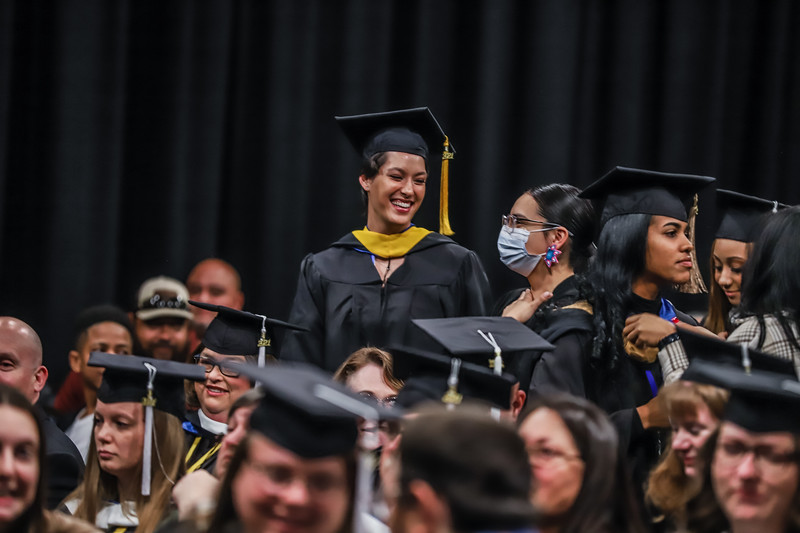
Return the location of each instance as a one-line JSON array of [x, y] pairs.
[[341, 299], [202, 446], [564, 323], [63, 462], [570, 368]]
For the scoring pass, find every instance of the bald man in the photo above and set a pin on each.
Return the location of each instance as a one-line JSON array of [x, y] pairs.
[[213, 281], [21, 367]]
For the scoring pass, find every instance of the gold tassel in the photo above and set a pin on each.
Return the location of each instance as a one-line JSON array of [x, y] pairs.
[[695, 285], [444, 215]]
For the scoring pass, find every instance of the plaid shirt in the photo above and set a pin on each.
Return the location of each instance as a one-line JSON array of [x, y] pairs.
[[775, 340]]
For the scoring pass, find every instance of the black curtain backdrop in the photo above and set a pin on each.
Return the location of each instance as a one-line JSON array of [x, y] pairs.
[[138, 137]]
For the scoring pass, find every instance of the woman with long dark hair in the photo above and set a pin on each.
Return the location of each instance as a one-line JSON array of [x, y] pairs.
[[581, 484], [645, 245], [771, 291], [365, 289], [742, 219], [547, 238]]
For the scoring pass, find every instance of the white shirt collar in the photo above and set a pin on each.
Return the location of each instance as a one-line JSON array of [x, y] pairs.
[[212, 426]]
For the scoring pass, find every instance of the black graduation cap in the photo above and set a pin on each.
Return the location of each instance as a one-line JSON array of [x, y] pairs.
[[761, 402], [297, 411], [427, 377], [715, 350], [234, 332], [126, 378], [742, 216], [471, 338], [626, 190], [412, 131]]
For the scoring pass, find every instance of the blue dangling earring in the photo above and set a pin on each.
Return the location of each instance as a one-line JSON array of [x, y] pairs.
[[552, 255]]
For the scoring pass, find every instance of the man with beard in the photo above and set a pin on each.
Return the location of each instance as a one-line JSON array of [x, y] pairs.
[[161, 321]]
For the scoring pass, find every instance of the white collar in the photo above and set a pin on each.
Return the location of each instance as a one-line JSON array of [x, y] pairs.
[[212, 426]]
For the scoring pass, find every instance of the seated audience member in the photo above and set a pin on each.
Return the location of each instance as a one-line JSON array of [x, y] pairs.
[[212, 281], [460, 471], [195, 495], [694, 410], [491, 342], [22, 508], [296, 466], [21, 357], [233, 336], [102, 328], [131, 467], [750, 480], [161, 320], [368, 371], [580, 482]]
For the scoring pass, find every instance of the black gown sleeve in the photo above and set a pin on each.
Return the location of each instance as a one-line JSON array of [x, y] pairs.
[[562, 369], [307, 311], [475, 286], [63, 461]]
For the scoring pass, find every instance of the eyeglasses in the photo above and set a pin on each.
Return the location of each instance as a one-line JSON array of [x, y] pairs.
[[732, 454], [164, 301], [389, 401], [209, 363], [512, 220], [546, 456]]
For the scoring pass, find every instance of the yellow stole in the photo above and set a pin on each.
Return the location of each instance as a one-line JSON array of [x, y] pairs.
[[390, 246]]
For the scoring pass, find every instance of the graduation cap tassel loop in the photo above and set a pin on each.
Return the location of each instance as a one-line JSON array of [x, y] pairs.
[[148, 402], [695, 285], [444, 210]]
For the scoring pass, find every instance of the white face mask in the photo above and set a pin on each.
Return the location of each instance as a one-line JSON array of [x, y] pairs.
[[513, 253]]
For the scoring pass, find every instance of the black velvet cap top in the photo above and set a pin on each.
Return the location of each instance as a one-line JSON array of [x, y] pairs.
[[413, 131], [460, 337], [761, 402], [126, 376], [296, 415], [714, 350], [234, 332], [426, 374], [626, 190], [742, 215]]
